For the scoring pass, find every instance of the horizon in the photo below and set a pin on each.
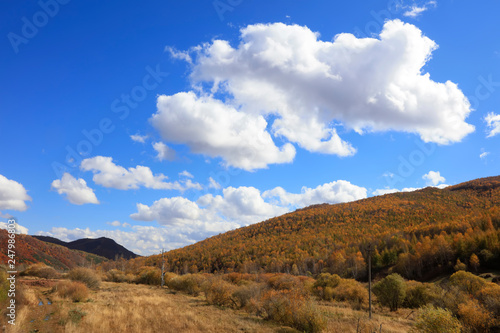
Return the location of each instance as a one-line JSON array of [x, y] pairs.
[[162, 124]]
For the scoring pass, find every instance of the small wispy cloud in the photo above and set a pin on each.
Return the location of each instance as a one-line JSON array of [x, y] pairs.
[[484, 154], [163, 151], [139, 138], [186, 173], [416, 10], [493, 122]]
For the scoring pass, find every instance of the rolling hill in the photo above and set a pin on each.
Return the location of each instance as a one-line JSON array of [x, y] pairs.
[[419, 234], [30, 250], [104, 247]]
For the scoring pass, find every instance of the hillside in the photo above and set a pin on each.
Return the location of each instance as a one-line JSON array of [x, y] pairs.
[[30, 250], [420, 234], [104, 247]]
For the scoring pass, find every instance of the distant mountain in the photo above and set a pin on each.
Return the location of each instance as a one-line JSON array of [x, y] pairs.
[[103, 246], [419, 234], [30, 250]]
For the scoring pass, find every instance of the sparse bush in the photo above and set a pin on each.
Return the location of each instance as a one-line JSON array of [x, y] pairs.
[[75, 290], [391, 291], [76, 315], [189, 283], [436, 320], [219, 292], [85, 275], [293, 309], [42, 271]]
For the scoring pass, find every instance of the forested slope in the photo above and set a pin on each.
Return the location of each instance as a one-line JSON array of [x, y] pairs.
[[418, 234]]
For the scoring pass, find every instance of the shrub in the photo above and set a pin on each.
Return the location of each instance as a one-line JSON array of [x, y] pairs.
[[189, 283], [284, 282], [76, 291], [85, 275], [391, 291], [293, 309], [323, 287], [149, 275], [115, 275], [418, 294], [449, 297], [490, 298], [219, 292], [239, 278], [467, 282], [42, 271], [245, 293], [474, 316], [351, 291], [436, 320]]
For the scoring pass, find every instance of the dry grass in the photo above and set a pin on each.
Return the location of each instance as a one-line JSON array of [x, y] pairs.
[[342, 318], [133, 308], [120, 307]]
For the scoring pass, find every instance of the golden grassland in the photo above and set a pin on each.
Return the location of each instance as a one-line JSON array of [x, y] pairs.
[[123, 307]]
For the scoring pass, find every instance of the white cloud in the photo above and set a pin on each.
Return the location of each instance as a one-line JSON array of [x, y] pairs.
[[237, 207], [415, 10], [483, 155], [108, 174], [19, 228], [210, 127], [76, 190], [189, 184], [383, 191], [394, 190], [169, 211], [115, 223], [139, 138], [334, 192], [184, 222], [493, 123], [186, 173], [212, 183], [433, 178], [282, 80], [13, 195], [242, 205], [164, 152]]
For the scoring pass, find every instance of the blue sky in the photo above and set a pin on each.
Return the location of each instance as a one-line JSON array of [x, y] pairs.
[[161, 123]]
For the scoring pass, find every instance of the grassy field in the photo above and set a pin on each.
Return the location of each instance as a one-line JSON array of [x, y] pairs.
[[121, 307]]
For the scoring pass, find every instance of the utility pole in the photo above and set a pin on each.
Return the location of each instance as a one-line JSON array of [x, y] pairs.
[[370, 281], [162, 268]]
